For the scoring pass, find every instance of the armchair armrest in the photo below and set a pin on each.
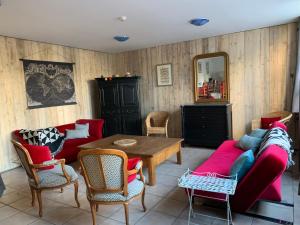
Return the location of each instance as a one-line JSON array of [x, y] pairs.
[[52, 163]]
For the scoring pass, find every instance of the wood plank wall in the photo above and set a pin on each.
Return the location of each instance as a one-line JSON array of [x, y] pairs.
[[261, 64], [14, 113]]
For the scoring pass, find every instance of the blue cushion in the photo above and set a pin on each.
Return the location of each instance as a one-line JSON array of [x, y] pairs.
[[259, 133], [83, 128], [247, 142], [242, 164]]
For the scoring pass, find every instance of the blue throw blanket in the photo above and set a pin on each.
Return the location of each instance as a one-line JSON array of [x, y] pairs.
[[278, 136]]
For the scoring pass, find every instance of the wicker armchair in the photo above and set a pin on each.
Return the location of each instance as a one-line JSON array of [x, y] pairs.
[[57, 178], [285, 118], [106, 177], [157, 123]]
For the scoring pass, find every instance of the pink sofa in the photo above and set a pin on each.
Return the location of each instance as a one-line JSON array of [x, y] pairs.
[[263, 181], [70, 147]]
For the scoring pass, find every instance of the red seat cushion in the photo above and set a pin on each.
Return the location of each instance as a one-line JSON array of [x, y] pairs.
[[130, 166], [266, 122], [39, 154]]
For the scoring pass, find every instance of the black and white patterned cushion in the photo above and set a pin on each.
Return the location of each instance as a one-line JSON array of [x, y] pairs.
[[30, 136], [51, 137], [45, 137]]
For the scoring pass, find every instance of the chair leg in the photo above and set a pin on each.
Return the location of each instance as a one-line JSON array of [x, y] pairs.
[[126, 213], [61, 190], [93, 210], [76, 193], [143, 200], [32, 196], [39, 197]]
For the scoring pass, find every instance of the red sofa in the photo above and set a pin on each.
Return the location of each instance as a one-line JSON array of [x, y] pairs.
[[263, 181], [70, 150]]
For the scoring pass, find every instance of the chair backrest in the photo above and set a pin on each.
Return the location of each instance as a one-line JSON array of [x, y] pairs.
[[104, 170], [285, 118], [157, 119], [24, 158]]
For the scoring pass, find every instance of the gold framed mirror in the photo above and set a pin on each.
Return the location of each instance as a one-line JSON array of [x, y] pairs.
[[211, 77]]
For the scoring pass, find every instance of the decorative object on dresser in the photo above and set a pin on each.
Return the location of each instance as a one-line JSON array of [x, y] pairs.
[[119, 105], [49, 83], [206, 125], [211, 77]]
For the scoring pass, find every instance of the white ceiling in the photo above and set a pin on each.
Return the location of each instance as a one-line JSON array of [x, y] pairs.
[[91, 24]]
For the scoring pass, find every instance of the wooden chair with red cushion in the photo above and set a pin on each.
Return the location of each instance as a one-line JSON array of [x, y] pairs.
[[43, 172], [266, 120]]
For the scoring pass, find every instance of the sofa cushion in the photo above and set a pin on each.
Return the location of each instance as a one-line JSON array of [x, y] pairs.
[[75, 134], [247, 142], [242, 164], [267, 121], [39, 154], [95, 126], [30, 136], [258, 133], [83, 127]]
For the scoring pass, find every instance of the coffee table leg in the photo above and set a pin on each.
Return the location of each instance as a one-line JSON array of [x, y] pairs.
[[179, 158], [151, 172]]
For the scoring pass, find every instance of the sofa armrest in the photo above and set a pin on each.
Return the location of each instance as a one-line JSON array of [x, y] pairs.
[[95, 126], [268, 167]]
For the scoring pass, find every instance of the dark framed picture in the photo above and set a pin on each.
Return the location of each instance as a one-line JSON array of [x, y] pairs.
[[164, 74], [49, 83]]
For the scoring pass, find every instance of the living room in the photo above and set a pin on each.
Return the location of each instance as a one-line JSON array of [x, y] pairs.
[[220, 78]]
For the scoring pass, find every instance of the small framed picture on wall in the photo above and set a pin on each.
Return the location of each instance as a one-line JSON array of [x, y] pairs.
[[164, 74]]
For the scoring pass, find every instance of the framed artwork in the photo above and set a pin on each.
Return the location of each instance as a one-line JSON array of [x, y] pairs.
[[49, 83], [164, 74]]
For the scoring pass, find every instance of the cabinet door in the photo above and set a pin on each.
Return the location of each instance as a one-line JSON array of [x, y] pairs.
[[129, 94], [109, 97], [112, 125], [132, 124]]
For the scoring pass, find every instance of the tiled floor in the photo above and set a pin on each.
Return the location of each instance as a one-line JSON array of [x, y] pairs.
[[166, 203]]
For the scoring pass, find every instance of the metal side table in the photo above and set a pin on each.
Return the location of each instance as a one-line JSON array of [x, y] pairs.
[[208, 182]]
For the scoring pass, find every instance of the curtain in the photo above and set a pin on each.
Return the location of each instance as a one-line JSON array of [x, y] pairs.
[[296, 98]]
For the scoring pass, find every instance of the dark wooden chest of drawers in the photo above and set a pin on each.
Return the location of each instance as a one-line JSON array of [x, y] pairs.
[[206, 125]]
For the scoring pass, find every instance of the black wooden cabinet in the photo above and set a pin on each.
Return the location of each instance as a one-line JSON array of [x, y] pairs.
[[206, 125], [119, 105]]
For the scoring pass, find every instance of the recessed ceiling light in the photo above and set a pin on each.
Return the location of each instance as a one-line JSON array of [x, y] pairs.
[[121, 38], [199, 21]]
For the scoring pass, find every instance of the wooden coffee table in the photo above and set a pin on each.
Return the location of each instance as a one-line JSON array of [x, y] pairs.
[[152, 150]]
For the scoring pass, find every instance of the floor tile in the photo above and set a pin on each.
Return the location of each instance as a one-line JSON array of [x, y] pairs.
[[85, 218], [135, 213], [170, 207], [156, 218], [19, 219], [6, 212]]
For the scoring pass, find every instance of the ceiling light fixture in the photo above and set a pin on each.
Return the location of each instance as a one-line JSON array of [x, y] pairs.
[[122, 18], [199, 21], [121, 38]]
